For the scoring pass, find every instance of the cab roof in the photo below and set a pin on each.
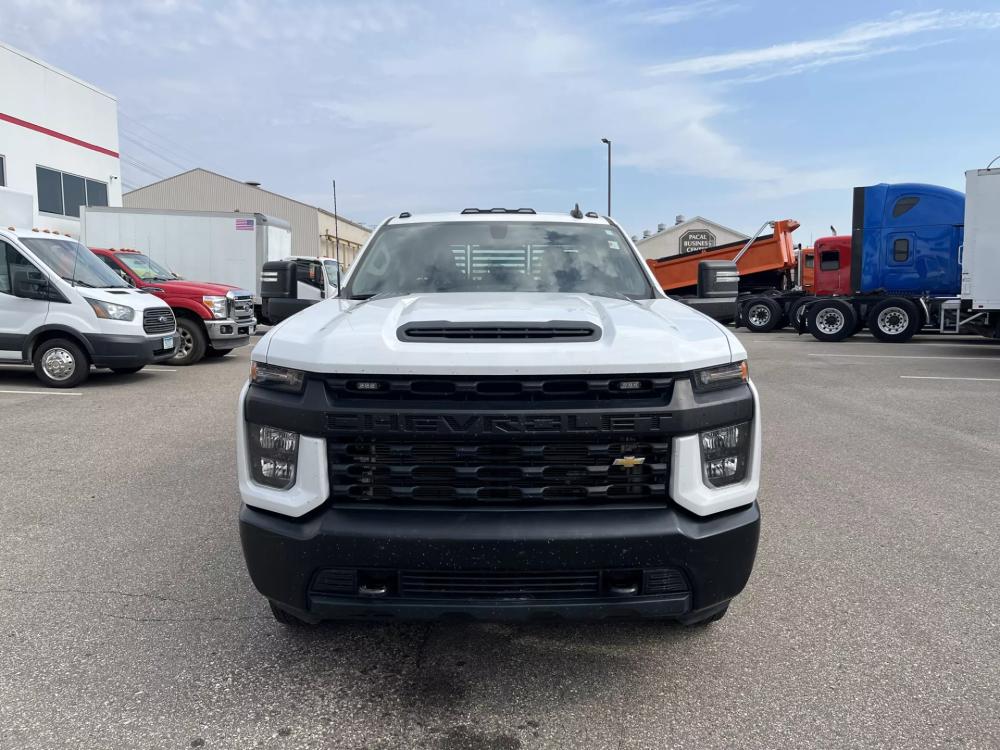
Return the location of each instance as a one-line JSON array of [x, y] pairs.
[[506, 215], [37, 232]]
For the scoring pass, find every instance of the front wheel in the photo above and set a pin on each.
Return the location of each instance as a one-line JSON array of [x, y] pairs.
[[894, 320], [191, 342], [60, 363], [126, 370], [705, 619], [833, 320], [287, 619]]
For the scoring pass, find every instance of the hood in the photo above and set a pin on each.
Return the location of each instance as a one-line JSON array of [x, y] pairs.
[[124, 296], [342, 336], [186, 288]]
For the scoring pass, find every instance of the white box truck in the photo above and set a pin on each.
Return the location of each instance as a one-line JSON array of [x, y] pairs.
[[223, 247]]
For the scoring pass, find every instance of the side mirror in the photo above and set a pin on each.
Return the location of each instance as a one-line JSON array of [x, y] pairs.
[[31, 285]]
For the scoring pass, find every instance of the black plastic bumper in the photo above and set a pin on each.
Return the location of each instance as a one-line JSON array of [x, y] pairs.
[[113, 350], [715, 555]]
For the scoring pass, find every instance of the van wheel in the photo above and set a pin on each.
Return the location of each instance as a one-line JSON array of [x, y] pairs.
[[191, 342], [832, 321], [126, 370], [60, 363], [894, 320], [288, 619], [212, 352], [761, 315]]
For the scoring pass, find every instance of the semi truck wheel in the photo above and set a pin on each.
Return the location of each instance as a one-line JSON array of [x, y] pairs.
[[796, 309], [832, 321], [191, 342], [761, 315], [894, 320], [60, 363]]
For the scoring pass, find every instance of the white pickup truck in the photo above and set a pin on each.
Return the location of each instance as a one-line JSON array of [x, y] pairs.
[[500, 416]]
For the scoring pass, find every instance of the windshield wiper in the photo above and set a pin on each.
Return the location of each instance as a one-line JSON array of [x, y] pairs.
[[77, 282]]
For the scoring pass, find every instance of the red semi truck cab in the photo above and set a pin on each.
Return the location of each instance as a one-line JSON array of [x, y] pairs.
[[212, 319]]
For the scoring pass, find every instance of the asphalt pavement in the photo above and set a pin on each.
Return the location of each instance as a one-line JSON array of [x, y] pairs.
[[872, 618]]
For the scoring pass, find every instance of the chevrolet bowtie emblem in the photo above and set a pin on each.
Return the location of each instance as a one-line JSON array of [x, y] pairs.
[[629, 461]]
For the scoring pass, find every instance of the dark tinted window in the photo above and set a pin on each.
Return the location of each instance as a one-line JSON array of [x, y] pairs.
[[903, 205], [901, 250], [97, 193], [50, 193], [829, 260], [74, 194]]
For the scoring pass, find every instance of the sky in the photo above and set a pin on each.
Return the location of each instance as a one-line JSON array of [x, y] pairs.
[[741, 112]]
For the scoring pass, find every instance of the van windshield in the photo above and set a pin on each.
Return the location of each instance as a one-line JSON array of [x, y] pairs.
[[497, 256], [73, 262]]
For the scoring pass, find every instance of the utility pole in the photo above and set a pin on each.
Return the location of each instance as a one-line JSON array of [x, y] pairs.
[[607, 141]]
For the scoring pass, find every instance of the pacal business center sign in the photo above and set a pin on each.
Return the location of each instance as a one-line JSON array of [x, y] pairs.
[[694, 240]]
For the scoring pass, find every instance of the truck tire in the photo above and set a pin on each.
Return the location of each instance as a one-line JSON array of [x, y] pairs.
[[60, 363], [894, 320], [832, 320], [761, 314], [702, 620], [288, 619], [191, 342], [126, 370], [796, 309], [212, 352]]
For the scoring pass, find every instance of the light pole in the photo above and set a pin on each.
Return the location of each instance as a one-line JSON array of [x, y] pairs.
[[607, 141]]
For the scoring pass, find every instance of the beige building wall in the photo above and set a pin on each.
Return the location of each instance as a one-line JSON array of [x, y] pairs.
[[693, 233], [201, 190]]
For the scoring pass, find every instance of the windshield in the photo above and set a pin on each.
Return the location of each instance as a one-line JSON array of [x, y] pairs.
[[146, 268], [73, 262], [499, 256]]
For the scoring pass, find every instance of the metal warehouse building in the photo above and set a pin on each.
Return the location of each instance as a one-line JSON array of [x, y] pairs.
[[58, 140], [685, 236], [314, 230]]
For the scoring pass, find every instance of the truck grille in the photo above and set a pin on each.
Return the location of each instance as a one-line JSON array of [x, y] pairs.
[[158, 320], [241, 307], [494, 473]]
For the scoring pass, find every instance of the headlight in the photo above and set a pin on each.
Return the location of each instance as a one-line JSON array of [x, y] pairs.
[[716, 378], [279, 378], [215, 305], [273, 456], [110, 310], [725, 454]]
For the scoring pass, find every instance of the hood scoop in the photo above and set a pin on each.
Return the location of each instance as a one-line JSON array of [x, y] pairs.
[[487, 332]]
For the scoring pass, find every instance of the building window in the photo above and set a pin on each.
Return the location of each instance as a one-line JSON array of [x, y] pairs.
[[901, 250], [63, 194], [3, 171]]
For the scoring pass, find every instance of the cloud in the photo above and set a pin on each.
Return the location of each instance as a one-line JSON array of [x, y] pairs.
[[670, 15], [858, 40]]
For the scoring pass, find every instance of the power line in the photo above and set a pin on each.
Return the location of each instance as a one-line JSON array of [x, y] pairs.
[[152, 150], [179, 150]]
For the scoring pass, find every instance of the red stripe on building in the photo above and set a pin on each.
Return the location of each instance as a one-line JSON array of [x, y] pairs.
[[56, 134]]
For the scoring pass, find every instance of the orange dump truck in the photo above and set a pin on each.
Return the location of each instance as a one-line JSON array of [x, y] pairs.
[[766, 262]]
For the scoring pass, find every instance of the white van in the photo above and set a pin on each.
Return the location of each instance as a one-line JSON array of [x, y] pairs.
[[63, 311]]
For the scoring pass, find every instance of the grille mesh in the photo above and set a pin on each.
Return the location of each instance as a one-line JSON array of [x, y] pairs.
[[158, 320]]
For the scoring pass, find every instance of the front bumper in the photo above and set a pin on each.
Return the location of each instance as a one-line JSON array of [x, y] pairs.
[[114, 350], [284, 555], [229, 333]]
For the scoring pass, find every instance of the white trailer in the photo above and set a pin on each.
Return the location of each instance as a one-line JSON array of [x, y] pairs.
[[220, 247], [981, 249]]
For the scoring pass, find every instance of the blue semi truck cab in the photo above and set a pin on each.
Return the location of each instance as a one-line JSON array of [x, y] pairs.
[[906, 263]]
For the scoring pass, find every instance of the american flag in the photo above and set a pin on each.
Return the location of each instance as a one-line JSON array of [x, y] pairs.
[[245, 224]]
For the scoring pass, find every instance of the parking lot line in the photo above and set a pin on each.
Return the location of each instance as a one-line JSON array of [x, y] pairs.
[[944, 377], [903, 356], [44, 393]]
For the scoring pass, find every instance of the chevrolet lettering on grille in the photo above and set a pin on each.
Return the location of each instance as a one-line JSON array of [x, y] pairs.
[[495, 424]]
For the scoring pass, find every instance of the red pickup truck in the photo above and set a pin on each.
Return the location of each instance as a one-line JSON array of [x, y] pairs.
[[212, 319]]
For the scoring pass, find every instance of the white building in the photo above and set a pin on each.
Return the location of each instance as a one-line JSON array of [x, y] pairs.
[[314, 230], [58, 140], [685, 236]]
